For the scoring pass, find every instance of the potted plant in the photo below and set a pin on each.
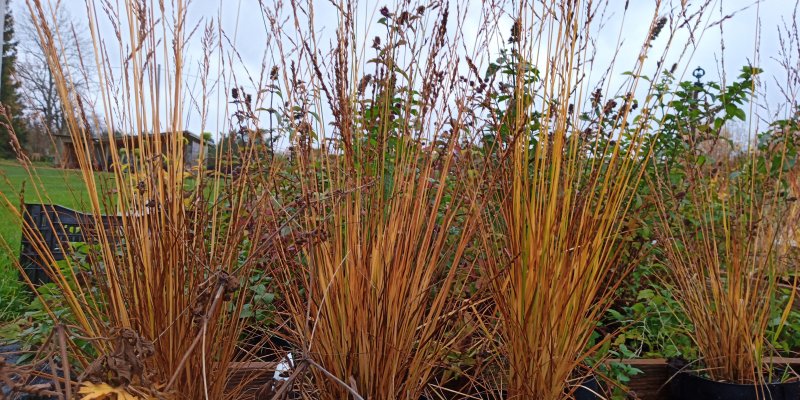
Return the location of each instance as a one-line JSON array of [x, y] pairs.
[[562, 185], [371, 267], [721, 224]]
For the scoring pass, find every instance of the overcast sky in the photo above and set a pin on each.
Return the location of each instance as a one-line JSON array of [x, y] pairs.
[[242, 20]]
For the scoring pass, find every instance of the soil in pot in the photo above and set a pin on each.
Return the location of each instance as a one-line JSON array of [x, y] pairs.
[[686, 384]]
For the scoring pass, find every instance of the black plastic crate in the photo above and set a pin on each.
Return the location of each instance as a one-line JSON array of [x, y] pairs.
[[56, 227]]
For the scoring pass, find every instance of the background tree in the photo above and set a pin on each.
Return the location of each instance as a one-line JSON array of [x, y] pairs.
[[43, 104], [9, 89]]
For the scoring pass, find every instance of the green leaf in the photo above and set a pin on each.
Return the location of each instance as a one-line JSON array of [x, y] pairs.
[[701, 160], [247, 311], [645, 294], [259, 289]]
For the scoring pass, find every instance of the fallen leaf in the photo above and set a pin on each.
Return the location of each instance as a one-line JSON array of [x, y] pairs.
[[103, 391]]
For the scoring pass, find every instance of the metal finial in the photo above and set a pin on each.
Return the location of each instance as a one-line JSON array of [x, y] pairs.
[[698, 73]]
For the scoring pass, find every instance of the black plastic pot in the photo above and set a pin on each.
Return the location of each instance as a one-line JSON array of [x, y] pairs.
[[588, 389], [687, 385]]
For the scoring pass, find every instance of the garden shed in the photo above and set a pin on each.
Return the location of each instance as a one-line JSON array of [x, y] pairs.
[[102, 148]]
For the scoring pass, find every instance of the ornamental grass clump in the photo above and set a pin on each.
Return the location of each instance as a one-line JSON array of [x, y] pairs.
[[724, 240], [724, 261], [567, 158], [153, 305], [371, 297]]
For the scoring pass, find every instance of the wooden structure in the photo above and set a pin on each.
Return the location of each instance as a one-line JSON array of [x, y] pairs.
[[194, 149]]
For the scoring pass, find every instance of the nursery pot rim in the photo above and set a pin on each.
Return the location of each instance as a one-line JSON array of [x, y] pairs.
[[675, 371], [685, 383]]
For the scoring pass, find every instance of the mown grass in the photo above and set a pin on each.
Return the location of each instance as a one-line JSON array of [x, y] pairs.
[[62, 187]]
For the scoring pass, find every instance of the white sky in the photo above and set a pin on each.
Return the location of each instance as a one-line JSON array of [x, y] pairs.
[[242, 20]]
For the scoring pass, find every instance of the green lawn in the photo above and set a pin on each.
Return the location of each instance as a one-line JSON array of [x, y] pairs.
[[56, 186]]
